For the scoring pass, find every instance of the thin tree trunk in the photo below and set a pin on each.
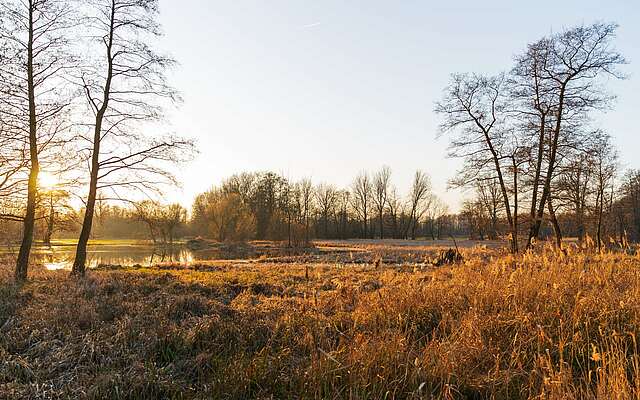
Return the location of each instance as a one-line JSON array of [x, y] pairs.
[[81, 250], [536, 183], [556, 225], [503, 188], [50, 223], [600, 212], [306, 229], [326, 225], [413, 229], [514, 230], [289, 226], [546, 192], [366, 236], [393, 226], [580, 223], [22, 263]]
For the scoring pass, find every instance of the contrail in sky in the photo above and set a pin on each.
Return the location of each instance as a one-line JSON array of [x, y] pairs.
[[310, 25]]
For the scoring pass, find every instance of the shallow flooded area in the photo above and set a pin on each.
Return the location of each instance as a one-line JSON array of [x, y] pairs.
[[60, 254]]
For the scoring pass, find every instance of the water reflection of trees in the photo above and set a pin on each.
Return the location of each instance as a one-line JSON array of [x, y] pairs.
[[170, 254]]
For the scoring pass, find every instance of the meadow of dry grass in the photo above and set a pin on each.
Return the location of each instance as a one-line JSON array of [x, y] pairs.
[[370, 324]]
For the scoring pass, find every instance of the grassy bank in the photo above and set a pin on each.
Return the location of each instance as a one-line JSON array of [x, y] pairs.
[[538, 326]]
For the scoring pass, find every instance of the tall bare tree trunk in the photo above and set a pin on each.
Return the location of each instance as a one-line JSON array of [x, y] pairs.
[[514, 228], [546, 192], [535, 223], [505, 195], [289, 226], [81, 250], [581, 228], [22, 262], [306, 230]]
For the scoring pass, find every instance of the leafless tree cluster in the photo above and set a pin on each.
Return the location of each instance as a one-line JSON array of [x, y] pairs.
[[269, 206], [526, 137], [163, 221], [81, 78]]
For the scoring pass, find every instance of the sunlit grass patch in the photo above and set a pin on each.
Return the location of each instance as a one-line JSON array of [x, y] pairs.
[[544, 325]]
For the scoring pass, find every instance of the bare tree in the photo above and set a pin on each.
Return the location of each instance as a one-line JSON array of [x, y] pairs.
[[362, 193], [488, 193], [327, 197], [575, 185], [33, 104], [631, 199], [557, 80], [13, 162], [440, 214], [57, 212], [436, 213], [342, 210], [475, 216], [396, 208], [474, 107], [381, 182], [289, 202], [605, 160], [419, 201], [230, 218], [148, 212], [173, 216], [306, 192], [125, 87]]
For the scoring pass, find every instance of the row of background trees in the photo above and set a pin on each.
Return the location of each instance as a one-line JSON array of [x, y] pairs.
[[591, 202], [267, 206], [262, 205]]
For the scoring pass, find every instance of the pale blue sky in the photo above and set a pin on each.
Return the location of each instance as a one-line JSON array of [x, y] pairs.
[[324, 89]]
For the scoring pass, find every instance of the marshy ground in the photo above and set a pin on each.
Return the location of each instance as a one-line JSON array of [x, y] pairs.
[[347, 320]]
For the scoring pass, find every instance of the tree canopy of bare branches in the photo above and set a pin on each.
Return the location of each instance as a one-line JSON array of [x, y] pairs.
[[524, 128], [125, 88], [34, 56]]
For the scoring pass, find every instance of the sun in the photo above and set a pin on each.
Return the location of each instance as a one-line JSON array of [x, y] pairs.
[[47, 180]]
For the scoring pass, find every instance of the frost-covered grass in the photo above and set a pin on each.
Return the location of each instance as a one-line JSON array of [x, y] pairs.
[[539, 325]]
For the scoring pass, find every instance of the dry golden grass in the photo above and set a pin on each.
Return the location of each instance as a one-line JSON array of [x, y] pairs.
[[541, 325]]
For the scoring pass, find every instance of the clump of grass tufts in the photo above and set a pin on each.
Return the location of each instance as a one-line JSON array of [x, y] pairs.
[[190, 305]]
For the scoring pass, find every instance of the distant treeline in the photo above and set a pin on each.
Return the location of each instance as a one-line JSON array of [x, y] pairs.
[[145, 220], [581, 210], [267, 206]]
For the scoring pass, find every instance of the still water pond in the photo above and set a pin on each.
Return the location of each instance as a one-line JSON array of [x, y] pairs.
[[61, 255]]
